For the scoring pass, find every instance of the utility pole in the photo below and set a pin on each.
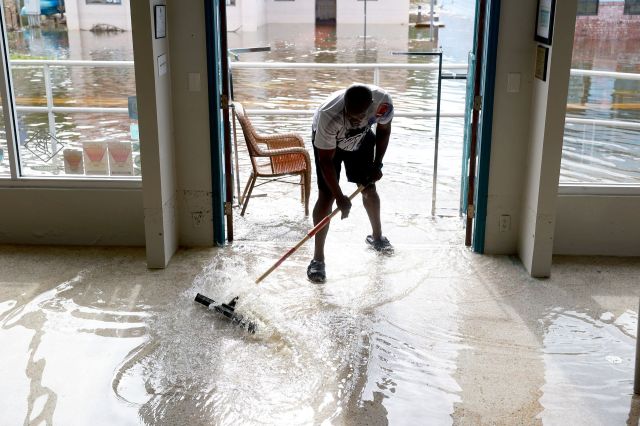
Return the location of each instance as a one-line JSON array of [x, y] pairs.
[[431, 22], [365, 22]]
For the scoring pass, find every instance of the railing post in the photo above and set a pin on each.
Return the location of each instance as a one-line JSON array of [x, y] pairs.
[[49, 94], [437, 139], [376, 76]]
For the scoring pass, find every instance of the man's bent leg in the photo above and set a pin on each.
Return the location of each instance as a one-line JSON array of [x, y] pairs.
[[376, 240], [371, 201], [320, 211]]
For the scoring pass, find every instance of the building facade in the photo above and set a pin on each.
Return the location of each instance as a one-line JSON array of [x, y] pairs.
[[91, 14], [248, 15], [608, 19]]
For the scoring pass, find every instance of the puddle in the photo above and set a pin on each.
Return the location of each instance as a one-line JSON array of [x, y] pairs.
[[61, 350], [356, 351], [589, 367]]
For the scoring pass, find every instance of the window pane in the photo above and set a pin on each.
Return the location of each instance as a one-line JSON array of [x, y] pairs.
[[632, 7], [587, 7], [602, 138], [73, 119]]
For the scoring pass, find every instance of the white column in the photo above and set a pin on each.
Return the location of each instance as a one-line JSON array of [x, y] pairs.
[[188, 46], [548, 108], [72, 13], [153, 86]]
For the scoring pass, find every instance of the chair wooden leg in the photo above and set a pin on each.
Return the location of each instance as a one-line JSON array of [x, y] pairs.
[[247, 192], [246, 188]]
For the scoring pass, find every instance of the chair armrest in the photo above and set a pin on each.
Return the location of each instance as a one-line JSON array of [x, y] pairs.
[[286, 140], [284, 151]]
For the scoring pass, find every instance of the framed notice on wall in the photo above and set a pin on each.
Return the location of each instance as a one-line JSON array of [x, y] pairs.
[[544, 21], [160, 20], [542, 58]]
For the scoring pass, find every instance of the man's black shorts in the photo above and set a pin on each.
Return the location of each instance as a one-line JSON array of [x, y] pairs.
[[357, 164]]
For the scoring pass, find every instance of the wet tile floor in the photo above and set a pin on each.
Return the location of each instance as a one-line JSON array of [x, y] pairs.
[[431, 335]]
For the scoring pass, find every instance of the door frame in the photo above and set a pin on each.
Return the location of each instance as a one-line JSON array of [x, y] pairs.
[[479, 122], [492, 28], [219, 131]]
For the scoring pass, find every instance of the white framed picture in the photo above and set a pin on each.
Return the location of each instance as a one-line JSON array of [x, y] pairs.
[[160, 20], [544, 21]]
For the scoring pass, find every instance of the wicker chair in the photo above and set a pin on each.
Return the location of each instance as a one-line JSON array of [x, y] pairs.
[[284, 154]]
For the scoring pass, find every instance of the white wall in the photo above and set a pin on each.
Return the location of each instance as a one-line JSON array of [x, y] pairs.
[[157, 148], [378, 12], [254, 15], [91, 216], [510, 132], [234, 16], [83, 16], [527, 135], [191, 121], [294, 12], [597, 225], [548, 110], [246, 15]]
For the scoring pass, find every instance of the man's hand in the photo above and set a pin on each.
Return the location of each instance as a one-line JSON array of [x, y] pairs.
[[344, 204]]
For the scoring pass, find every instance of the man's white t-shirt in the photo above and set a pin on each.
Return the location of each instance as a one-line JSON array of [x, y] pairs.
[[333, 130]]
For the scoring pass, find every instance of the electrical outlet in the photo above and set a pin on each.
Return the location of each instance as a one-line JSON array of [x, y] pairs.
[[513, 82], [194, 82], [197, 218], [505, 223]]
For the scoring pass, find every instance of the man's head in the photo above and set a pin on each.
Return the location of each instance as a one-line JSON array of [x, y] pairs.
[[357, 100]]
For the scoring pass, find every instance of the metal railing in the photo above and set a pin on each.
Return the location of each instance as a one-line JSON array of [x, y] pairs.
[[452, 68], [51, 109]]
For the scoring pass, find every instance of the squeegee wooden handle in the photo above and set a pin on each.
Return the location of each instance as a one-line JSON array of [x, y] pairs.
[[310, 234]]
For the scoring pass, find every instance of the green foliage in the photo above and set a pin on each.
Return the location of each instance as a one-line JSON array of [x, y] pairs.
[[18, 56]]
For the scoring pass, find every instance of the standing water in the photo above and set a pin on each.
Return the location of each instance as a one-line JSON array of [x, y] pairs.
[[416, 338]]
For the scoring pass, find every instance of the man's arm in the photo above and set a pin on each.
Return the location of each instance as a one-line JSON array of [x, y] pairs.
[[383, 132], [325, 157]]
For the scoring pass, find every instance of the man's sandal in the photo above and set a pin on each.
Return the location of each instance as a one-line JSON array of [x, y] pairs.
[[381, 246], [316, 272]]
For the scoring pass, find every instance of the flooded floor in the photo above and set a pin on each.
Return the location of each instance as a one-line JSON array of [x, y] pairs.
[[432, 335]]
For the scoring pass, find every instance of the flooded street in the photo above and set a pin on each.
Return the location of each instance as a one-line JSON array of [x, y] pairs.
[[591, 153]]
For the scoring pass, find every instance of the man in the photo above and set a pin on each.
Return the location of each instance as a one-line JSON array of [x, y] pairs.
[[342, 134]]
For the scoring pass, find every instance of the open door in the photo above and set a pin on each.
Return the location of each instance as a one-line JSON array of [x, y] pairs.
[[220, 134], [478, 122]]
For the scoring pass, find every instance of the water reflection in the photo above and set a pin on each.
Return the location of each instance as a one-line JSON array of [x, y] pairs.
[[431, 335], [602, 154], [587, 365], [65, 340], [73, 87], [591, 153], [409, 161]]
